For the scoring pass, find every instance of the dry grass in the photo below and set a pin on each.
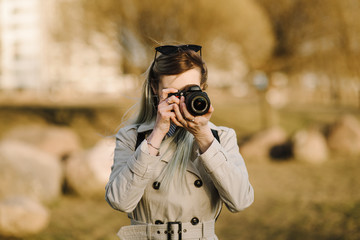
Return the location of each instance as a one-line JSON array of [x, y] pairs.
[[293, 200]]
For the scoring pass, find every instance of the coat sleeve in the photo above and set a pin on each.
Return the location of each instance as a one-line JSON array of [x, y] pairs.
[[130, 173], [226, 168]]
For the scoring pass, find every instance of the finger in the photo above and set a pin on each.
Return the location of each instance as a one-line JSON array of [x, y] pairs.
[[166, 111], [209, 113], [211, 109], [176, 122], [182, 104], [169, 107], [168, 102], [173, 99], [165, 92], [170, 116], [179, 116], [185, 112]]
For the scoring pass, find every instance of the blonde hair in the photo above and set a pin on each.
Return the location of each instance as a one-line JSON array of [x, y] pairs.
[[173, 64]]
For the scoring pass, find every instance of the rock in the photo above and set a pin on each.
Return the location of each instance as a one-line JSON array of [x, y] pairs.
[[88, 172], [60, 141], [26, 170], [281, 152], [21, 216], [310, 146], [260, 144], [344, 135]]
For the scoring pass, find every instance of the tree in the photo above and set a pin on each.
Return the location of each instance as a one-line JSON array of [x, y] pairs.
[[199, 21]]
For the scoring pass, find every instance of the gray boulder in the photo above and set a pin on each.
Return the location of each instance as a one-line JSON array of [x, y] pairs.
[[21, 216], [28, 171], [60, 141], [310, 145], [344, 135], [258, 147], [87, 172]]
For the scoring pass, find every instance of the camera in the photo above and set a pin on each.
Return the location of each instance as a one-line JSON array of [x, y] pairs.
[[197, 102]]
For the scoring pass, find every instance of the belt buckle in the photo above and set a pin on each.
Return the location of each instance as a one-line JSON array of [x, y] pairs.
[[170, 232]]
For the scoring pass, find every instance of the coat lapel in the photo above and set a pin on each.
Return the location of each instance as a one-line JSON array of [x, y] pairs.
[[167, 156]]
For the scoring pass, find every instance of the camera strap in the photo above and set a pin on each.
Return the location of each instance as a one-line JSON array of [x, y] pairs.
[[215, 134], [171, 129]]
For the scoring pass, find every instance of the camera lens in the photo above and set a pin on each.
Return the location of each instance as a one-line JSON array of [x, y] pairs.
[[199, 104]]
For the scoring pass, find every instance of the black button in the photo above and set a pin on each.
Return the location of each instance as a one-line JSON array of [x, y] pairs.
[[156, 185], [159, 222], [194, 221], [198, 183]]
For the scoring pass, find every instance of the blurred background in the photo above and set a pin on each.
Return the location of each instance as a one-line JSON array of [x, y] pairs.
[[284, 74]]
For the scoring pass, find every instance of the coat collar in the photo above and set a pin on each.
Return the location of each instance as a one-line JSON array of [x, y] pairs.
[[191, 167], [144, 127]]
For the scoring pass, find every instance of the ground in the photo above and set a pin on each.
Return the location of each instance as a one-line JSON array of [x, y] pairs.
[[293, 200]]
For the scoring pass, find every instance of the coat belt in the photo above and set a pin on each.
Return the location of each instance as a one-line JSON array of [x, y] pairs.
[[171, 230]]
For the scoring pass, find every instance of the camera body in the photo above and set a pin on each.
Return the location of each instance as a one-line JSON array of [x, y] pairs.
[[197, 102]]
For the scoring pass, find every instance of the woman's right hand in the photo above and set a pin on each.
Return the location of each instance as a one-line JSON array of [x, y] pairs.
[[165, 111], [165, 114]]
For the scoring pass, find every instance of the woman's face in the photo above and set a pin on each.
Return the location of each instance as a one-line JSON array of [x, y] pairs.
[[180, 81]]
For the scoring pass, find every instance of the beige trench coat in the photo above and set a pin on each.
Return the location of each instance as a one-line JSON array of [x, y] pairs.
[[215, 177]]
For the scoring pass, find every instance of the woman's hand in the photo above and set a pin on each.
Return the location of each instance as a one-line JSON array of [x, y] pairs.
[[198, 126], [165, 114], [165, 111]]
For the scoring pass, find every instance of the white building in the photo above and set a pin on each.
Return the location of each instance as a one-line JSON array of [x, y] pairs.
[[33, 59], [21, 51]]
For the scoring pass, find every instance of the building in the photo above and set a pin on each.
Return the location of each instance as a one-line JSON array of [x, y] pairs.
[[35, 58]]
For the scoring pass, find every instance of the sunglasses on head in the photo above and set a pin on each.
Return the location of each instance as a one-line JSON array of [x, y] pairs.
[[171, 49]]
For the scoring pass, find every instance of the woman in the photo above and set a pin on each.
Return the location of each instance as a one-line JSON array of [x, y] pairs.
[[173, 186]]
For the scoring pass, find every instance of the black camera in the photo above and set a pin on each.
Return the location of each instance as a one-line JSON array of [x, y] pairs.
[[197, 102]]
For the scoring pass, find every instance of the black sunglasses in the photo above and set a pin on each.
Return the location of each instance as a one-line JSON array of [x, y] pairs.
[[171, 49]]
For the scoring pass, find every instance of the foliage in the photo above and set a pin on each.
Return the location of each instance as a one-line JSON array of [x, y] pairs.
[[144, 24], [320, 35], [291, 36]]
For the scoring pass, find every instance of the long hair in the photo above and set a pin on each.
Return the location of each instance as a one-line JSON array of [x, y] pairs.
[[164, 65]]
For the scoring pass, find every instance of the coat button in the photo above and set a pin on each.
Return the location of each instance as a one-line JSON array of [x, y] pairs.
[[194, 221], [159, 222], [156, 185], [198, 183]]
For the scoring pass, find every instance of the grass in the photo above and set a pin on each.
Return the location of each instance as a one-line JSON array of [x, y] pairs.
[[77, 218], [300, 201], [293, 200]]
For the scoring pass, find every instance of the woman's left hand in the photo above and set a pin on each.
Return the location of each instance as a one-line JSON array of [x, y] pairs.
[[198, 126]]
